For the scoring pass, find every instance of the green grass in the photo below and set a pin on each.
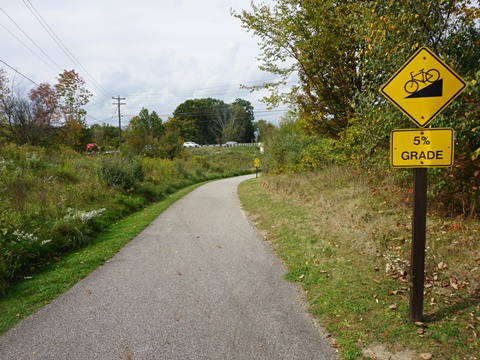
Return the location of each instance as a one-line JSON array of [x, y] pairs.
[[337, 231], [49, 282]]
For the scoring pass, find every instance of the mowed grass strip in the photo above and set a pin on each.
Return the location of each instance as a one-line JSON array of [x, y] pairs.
[[49, 282], [346, 241]]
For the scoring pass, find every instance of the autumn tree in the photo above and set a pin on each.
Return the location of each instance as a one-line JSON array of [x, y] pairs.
[[45, 104], [45, 109], [343, 51], [21, 119], [316, 41], [72, 96]]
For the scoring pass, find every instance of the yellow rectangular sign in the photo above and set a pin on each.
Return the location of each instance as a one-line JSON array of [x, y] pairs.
[[422, 148]]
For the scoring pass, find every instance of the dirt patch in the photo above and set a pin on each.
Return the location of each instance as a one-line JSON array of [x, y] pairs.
[[380, 352]]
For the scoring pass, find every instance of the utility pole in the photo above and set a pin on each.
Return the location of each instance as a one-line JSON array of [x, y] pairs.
[[119, 103]]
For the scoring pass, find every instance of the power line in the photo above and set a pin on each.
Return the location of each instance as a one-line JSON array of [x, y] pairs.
[[19, 73], [33, 52], [180, 93], [62, 46], [38, 47]]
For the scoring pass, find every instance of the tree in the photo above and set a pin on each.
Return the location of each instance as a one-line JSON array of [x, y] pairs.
[[45, 104], [224, 124], [211, 120], [105, 135], [45, 110], [145, 130], [183, 128], [5, 103], [263, 129], [342, 51], [21, 121], [72, 97], [246, 119], [317, 41], [201, 112]]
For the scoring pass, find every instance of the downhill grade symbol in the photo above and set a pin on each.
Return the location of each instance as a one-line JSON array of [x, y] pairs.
[[423, 87]]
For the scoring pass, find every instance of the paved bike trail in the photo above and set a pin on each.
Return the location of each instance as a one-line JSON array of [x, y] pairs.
[[198, 283]]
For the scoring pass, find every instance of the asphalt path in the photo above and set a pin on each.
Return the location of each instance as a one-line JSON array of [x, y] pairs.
[[198, 283]]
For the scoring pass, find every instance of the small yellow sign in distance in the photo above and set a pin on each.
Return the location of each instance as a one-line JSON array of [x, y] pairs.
[[422, 148], [423, 87], [256, 162]]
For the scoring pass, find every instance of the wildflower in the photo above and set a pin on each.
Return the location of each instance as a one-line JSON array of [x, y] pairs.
[[84, 217], [25, 237]]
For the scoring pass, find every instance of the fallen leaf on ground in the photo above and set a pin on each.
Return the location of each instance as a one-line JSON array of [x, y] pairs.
[[453, 282], [454, 227], [426, 356]]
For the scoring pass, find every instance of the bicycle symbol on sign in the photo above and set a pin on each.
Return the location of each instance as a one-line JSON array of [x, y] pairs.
[[412, 85]]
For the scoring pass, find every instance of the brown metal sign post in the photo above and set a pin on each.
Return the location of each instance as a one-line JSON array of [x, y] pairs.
[[417, 258], [421, 89]]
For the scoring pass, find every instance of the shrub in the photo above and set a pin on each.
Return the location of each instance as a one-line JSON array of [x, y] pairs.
[[289, 150], [123, 172]]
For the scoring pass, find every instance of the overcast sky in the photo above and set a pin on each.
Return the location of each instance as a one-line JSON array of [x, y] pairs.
[[155, 53]]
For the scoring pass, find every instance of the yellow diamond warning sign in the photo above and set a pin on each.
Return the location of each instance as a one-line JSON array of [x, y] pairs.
[[423, 87]]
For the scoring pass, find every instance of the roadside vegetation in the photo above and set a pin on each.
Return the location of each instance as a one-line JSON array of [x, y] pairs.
[[55, 201], [62, 182], [344, 235], [46, 283], [335, 211]]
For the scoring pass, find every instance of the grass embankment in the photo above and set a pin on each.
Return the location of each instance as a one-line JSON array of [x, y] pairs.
[[347, 241], [49, 282], [60, 212]]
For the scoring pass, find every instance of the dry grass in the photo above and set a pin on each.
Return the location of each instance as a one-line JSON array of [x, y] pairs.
[[346, 238]]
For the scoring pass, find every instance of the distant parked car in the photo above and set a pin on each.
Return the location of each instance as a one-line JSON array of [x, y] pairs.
[[190, 144], [231, 143]]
